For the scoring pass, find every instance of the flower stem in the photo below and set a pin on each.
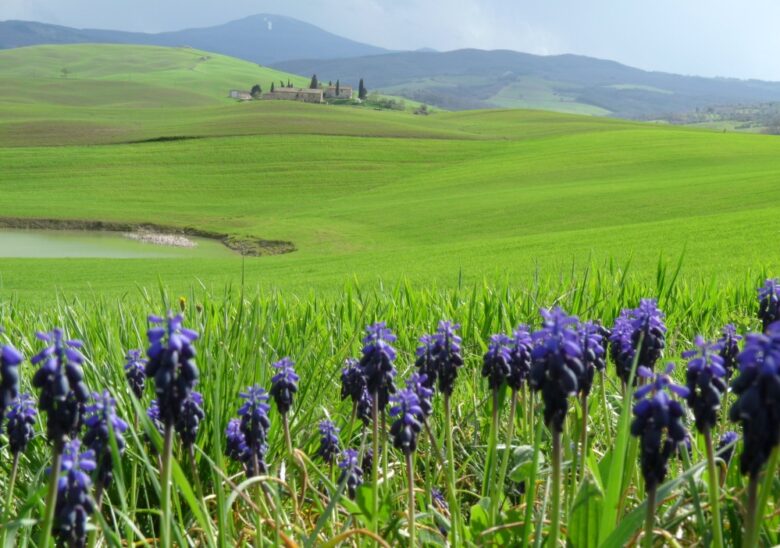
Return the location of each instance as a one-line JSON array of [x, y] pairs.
[[647, 541], [769, 476], [410, 476], [607, 421], [494, 506], [165, 487], [751, 518], [10, 500], [375, 462], [51, 498], [489, 485], [584, 434], [451, 487], [555, 526], [714, 489]]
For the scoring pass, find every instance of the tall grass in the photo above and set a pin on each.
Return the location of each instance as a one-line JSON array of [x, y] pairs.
[[241, 335]]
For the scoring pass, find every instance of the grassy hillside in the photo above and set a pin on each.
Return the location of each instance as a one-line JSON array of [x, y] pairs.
[[462, 195]]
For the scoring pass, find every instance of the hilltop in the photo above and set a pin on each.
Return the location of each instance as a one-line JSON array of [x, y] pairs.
[[262, 38], [477, 79]]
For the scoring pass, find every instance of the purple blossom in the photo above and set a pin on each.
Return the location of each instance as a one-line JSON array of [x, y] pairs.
[[135, 372], [705, 382], [188, 423], [658, 423], [729, 349], [171, 364], [329, 441], [61, 383], [427, 359], [10, 358], [351, 472], [495, 362], [645, 325], [448, 355], [592, 354], [407, 425], [101, 420], [353, 380], [769, 302], [419, 385], [21, 422], [520, 350], [74, 503], [556, 364], [726, 445], [758, 398], [254, 426], [377, 362], [284, 385]]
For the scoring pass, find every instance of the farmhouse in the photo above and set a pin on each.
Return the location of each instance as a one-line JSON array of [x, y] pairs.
[[344, 92], [296, 94], [240, 95]]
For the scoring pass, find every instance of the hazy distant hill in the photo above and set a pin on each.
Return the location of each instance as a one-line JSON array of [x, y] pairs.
[[466, 79], [262, 39]]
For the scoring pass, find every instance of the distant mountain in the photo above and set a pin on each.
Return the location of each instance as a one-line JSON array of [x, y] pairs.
[[467, 79], [263, 39]]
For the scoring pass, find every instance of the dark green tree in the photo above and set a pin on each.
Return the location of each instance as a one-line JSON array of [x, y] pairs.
[[362, 91], [314, 82], [256, 91], [338, 88], [272, 87]]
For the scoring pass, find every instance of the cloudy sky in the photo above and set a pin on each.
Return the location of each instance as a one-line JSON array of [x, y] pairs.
[[704, 37]]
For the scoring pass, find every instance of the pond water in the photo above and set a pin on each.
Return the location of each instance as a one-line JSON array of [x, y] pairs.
[[53, 244]]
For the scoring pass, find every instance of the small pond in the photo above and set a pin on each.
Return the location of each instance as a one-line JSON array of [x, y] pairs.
[[53, 244]]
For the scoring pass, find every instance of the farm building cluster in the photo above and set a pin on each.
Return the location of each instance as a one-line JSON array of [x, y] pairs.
[[313, 94]]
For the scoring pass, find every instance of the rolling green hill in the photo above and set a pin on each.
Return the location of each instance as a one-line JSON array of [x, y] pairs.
[[437, 199]]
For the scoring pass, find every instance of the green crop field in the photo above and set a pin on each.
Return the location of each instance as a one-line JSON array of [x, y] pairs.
[[446, 198]]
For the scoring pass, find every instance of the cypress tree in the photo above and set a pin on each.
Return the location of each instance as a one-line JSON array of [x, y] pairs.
[[338, 87], [272, 87], [314, 83], [362, 92]]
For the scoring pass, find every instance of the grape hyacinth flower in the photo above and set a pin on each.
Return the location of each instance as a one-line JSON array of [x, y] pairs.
[[758, 410], [440, 504], [495, 362], [329, 442], [21, 420], [658, 425], [449, 358], [364, 405], [769, 303], [726, 445], [74, 504], [729, 349], [705, 382], [353, 380], [520, 349], [284, 385], [645, 325], [556, 366], [101, 420], [61, 382], [377, 363], [171, 364], [135, 372], [153, 412], [351, 472], [427, 359], [593, 354], [405, 430], [419, 385], [407, 425], [254, 426], [10, 358], [189, 420]]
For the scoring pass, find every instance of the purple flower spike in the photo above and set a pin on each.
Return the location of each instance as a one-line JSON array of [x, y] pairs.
[[448, 355], [419, 385], [10, 358], [726, 440], [556, 364], [645, 325], [254, 426], [377, 362], [769, 303], [520, 350], [74, 504], [21, 422], [729, 349], [61, 383], [329, 441], [495, 362], [284, 385], [353, 380], [758, 398], [706, 383], [135, 372], [408, 424], [172, 365], [427, 361], [658, 424], [101, 419], [593, 353], [189, 420], [351, 472]]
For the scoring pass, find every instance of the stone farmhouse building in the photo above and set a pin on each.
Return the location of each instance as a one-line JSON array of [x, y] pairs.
[[240, 95], [345, 92], [296, 94]]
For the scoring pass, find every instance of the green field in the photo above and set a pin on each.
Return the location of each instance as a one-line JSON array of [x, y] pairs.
[[447, 198]]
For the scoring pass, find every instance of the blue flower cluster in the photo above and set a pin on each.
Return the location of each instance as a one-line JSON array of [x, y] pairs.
[[639, 334]]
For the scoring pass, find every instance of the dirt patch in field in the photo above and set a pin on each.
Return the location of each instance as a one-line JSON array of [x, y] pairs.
[[245, 245]]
